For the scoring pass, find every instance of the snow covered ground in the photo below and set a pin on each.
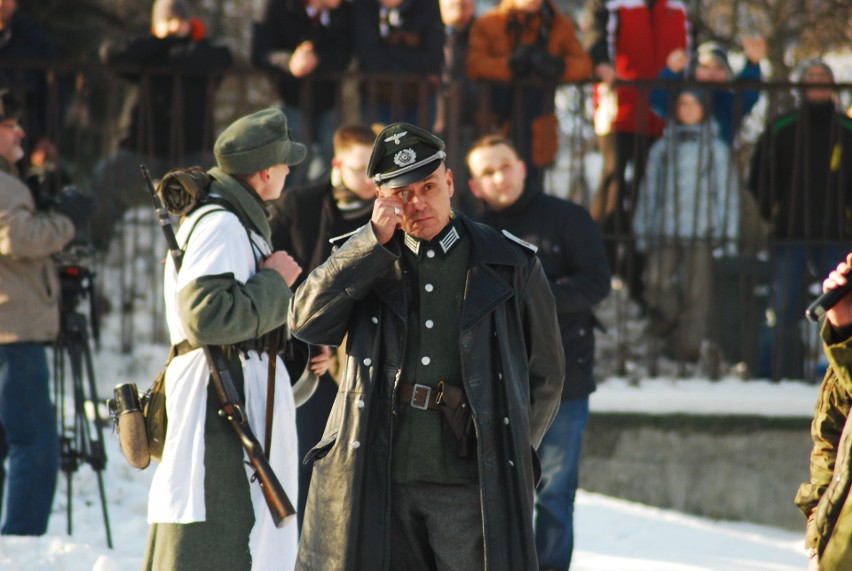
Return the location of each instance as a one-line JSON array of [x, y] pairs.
[[612, 534]]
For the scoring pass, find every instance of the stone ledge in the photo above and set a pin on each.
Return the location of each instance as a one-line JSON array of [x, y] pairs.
[[744, 468]]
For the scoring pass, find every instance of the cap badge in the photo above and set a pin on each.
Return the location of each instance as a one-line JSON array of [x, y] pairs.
[[396, 138], [405, 157]]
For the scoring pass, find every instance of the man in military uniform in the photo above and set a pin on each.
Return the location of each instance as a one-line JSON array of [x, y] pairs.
[[454, 372]]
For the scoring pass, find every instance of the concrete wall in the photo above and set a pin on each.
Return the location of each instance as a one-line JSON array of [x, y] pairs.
[[724, 467]]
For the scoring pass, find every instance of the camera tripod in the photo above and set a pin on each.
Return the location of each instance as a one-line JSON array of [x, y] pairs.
[[81, 437]]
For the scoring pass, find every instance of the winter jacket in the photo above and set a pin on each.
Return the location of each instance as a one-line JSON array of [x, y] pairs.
[[220, 298], [281, 25], [22, 40], [689, 190], [572, 255], [407, 39], [302, 222], [728, 107], [496, 34], [512, 370], [29, 283], [635, 39], [801, 174], [825, 499], [179, 100]]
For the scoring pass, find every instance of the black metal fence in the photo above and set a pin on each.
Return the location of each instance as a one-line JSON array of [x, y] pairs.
[[701, 258]]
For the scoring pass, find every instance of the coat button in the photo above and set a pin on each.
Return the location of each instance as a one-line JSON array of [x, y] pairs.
[[430, 324], [375, 320], [359, 403], [511, 463], [582, 332], [430, 253], [367, 362], [356, 444], [428, 287], [500, 376], [425, 360], [506, 420]]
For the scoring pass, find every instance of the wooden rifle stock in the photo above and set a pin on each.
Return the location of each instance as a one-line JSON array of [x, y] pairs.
[[277, 501]]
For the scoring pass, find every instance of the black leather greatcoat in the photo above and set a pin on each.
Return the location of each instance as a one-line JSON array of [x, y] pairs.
[[512, 369]]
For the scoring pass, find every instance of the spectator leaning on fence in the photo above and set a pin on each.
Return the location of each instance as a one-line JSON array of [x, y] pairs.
[[801, 177], [727, 106], [627, 41], [686, 214], [175, 68], [23, 40], [294, 41], [522, 40], [399, 37]]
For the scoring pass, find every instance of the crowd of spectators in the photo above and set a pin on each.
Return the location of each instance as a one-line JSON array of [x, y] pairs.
[[669, 205], [441, 65]]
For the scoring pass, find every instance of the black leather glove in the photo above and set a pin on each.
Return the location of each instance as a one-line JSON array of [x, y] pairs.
[[79, 208], [547, 66], [521, 61]]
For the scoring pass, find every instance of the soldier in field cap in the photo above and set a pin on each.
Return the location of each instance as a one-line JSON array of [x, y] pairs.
[[453, 373], [232, 290]]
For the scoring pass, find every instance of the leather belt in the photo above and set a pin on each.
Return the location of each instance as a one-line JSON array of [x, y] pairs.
[[419, 396]]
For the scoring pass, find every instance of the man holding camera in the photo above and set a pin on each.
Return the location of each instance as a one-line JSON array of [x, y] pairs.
[[522, 40], [29, 318]]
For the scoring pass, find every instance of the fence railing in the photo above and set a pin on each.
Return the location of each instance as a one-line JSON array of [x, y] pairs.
[[684, 248]]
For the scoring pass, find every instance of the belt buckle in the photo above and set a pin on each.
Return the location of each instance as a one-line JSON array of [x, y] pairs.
[[420, 397]]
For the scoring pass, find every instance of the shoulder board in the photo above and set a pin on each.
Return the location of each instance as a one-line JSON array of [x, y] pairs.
[[339, 240], [532, 248]]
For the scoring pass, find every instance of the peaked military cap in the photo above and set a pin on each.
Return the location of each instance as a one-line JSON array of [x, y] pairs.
[[403, 154]]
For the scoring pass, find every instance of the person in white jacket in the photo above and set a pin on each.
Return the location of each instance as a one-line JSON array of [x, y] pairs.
[[686, 214], [231, 290]]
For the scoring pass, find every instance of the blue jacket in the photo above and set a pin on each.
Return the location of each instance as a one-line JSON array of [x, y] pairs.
[[728, 107]]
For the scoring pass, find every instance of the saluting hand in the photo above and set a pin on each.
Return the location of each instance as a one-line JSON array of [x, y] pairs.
[[841, 314], [284, 264], [387, 217]]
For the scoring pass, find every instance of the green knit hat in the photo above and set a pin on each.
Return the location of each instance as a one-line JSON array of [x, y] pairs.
[[255, 142]]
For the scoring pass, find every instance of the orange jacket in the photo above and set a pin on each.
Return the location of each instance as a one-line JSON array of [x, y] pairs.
[[493, 40]]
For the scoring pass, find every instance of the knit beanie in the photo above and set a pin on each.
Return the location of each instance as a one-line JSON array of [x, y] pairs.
[[167, 9], [255, 142], [800, 70], [709, 52]]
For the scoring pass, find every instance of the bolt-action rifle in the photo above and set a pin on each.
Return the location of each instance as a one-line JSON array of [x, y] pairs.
[[276, 498]]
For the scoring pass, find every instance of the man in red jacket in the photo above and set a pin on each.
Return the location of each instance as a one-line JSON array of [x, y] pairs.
[[627, 41]]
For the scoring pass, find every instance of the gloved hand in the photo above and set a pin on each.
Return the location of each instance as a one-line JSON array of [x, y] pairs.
[[78, 207], [521, 61], [547, 66]]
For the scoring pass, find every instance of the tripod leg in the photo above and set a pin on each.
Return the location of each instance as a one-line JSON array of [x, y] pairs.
[[98, 451], [91, 446]]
